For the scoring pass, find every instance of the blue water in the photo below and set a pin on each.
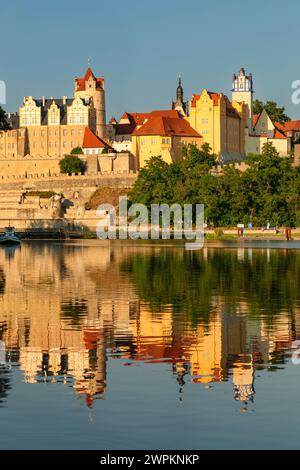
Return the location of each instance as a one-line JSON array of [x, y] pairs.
[[145, 346]]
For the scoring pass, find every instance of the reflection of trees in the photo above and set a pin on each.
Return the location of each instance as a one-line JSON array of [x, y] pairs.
[[74, 311], [191, 283], [5, 384]]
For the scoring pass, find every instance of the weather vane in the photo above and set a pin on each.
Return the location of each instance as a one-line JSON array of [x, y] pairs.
[[89, 61]]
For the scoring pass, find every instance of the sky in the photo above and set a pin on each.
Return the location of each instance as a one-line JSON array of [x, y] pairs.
[[141, 47]]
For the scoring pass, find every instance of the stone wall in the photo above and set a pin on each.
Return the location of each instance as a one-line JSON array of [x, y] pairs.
[[35, 168]]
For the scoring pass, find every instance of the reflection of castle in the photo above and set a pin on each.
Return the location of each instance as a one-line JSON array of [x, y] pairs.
[[66, 310]]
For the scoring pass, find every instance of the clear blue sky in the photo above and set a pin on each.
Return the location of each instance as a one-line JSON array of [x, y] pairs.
[[141, 46]]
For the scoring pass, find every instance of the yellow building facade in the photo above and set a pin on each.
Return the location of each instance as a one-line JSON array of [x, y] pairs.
[[220, 122], [165, 137]]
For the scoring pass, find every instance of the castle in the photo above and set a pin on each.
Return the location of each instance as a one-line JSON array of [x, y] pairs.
[[47, 129]]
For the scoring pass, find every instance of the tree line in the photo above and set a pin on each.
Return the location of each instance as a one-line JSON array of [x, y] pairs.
[[267, 191]]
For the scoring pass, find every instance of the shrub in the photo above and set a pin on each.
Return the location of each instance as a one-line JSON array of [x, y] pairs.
[[77, 151], [71, 164]]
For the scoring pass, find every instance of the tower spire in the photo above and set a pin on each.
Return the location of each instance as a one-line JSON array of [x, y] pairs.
[[179, 104]]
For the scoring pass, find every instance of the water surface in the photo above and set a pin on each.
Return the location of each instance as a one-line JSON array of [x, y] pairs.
[[122, 345]]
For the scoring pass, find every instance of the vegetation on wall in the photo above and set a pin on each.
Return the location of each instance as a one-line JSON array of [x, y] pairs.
[[106, 196], [268, 191], [77, 151], [71, 164]]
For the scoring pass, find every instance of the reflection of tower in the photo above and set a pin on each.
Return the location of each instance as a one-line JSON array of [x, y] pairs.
[[90, 86], [242, 91], [180, 369], [243, 379], [180, 105]]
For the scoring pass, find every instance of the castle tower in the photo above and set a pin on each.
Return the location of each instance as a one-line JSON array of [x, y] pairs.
[[179, 105], [90, 86], [242, 90]]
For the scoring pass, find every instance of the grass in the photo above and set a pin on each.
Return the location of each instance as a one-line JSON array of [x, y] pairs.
[[106, 196]]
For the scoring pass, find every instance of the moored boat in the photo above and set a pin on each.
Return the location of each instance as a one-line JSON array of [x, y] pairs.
[[9, 237]]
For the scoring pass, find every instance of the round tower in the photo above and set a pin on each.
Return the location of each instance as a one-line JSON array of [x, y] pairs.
[[90, 86]]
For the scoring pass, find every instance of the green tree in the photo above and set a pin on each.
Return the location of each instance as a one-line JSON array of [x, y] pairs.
[[76, 151], [276, 113], [267, 191], [71, 164], [4, 124]]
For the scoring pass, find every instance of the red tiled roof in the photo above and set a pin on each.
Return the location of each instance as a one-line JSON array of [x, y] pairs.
[[138, 119], [292, 125], [166, 126], [280, 126], [91, 140], [213, 96], [194, 100], [255, 119], [278, 134], [80, 81]]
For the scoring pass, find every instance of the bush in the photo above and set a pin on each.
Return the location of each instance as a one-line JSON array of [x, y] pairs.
[[77, 151], [71, 164]]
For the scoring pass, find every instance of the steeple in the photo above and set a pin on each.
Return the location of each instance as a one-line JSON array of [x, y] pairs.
[[179, 91], [179, 104]]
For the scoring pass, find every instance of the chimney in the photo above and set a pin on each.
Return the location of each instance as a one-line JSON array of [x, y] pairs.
[[43, 100], [64, 99]]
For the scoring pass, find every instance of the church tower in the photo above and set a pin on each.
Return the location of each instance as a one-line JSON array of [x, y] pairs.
[[180, 105], [90, 86], [242, 90]]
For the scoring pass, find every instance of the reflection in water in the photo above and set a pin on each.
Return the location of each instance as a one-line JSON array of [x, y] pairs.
[[212, 316]]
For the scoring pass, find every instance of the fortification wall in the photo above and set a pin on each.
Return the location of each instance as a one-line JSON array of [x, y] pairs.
[[44, 167]]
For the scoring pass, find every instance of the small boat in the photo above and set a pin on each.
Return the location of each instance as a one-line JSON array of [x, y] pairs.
[[9, 237]]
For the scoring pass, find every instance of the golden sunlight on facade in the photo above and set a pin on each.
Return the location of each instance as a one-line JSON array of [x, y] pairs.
[[221, 123]]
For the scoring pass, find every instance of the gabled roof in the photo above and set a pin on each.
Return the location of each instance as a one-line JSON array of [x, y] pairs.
[[91, 140], [166, 126], [80, 81], [133, 120], [61, 103], [215, 97], [279, 128], [278, 134], [255, 119]]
